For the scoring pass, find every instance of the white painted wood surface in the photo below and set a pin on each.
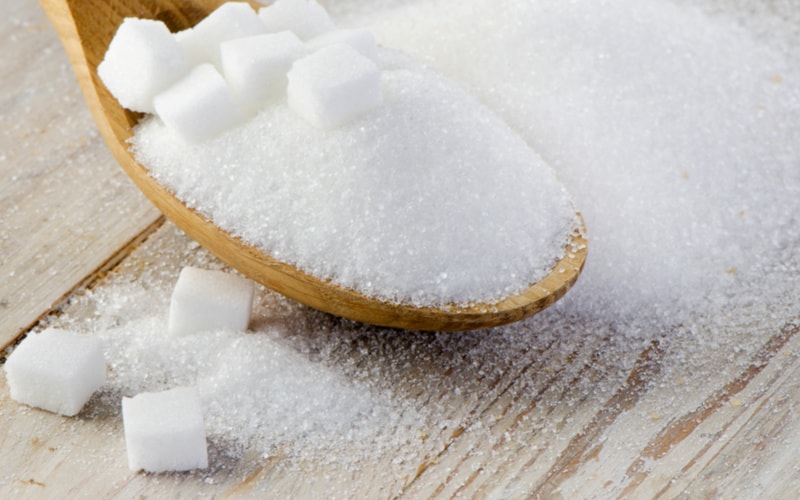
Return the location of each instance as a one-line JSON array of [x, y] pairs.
[[569, 415]]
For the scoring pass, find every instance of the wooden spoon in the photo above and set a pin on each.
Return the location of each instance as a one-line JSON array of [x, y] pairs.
[[87, 26]]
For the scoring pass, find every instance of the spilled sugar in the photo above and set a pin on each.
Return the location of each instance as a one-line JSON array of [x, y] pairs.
[[257, 391], [677, 134], [269, 392], [428, 199]]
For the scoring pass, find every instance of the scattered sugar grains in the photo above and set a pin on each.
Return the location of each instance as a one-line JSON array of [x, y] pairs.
[[675, 130], [260, 393], [427, 198]]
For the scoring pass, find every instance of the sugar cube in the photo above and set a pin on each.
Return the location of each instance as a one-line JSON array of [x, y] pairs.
[[360, 39], [142, 59], [333, 85], [199, 106], [229, 21], [56, 370], [164, 431], [204, 300], [306, 18], [256, 66]]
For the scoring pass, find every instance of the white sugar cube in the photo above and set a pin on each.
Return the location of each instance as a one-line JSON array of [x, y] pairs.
[[164, 431], [361, 39], [306, 18], [142, 59], [56, 370], [333, 85], [199, 106], [205, 300], [256, 66], [229, 21]]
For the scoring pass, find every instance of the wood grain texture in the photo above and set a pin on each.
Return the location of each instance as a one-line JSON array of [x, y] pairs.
[[548, 408], [523, 413], [56, 178], [87, 26]]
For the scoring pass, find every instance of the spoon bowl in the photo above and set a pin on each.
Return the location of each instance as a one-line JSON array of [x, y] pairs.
[[86, 28]]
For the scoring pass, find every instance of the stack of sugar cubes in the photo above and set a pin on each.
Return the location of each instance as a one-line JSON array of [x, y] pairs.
[[59, 371], [208, 79]]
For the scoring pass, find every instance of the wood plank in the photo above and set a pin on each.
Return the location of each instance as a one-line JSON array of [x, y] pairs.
[[531, 411], [29, 436], [744, 438], [546, 408], [632, 444], [67, 208], [561, 413]]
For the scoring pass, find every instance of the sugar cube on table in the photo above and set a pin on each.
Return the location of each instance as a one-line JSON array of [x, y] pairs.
[[228, 21], [205, 300], [361, 39], [56, 370], [200, 106], [164, 431], [255, 67], [142, 59], [333, 86], [306, 18]]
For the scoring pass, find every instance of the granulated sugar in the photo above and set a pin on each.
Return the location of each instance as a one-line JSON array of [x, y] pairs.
[[262, 393], [427, 199], [675, 132]]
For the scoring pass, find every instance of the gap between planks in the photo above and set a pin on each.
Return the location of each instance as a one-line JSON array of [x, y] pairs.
[[89, 281]]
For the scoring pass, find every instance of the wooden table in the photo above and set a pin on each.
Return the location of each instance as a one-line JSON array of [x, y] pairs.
[[524, 412]]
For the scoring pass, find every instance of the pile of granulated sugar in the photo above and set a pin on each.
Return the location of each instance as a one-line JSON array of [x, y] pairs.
[[674, 129], [427, 199], [263, 393]]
